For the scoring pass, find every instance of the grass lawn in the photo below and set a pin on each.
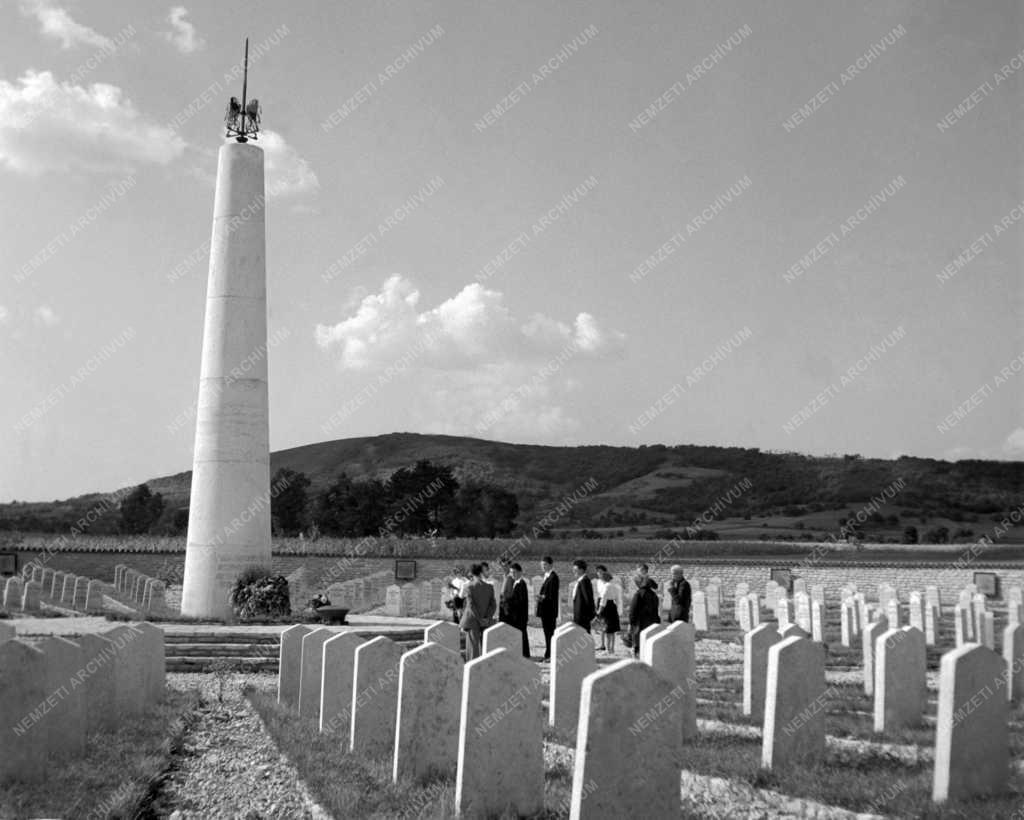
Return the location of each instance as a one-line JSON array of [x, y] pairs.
[[348, 785], [869, 784], [118, 775]]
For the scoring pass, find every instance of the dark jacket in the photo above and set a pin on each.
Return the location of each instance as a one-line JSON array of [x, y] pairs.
[[583, 609], [506, 597], [547, 597], [519, 605], [680, 592], [480, 605], [644, 609]]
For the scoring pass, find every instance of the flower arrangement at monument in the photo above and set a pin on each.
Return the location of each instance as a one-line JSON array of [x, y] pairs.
[[258, 593]]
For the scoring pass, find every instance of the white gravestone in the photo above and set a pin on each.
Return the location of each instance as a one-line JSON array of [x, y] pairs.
[[427, 724], [501, 749], [962, 622], [503, 636], [754, 607], [150, 653], [394, 601], [289, 666], [311, 672], [972, 732], [756, 644], [572, 659], [987, 629], [817, 621], [628, 712], [375, 698], [649, 632], [337, 676], [445, 633], [129, 672], [101, 684], [700, 612], [892, 612], [24, 750], [915, 611], [714, 599], [794, 714], [65, 724], [871, 633], [31, 596], [1013, 655], [671, 654], [13, 594], [901, 688], [79, 595]]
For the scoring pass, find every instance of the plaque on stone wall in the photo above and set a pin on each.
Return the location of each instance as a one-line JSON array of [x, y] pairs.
[[8, 563], [784, 578], [405, 569], [987, 583]]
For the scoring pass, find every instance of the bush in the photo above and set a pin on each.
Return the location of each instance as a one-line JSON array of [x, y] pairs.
[[258, 593]]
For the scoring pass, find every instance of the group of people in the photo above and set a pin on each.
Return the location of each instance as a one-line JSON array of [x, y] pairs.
[[596, 604]]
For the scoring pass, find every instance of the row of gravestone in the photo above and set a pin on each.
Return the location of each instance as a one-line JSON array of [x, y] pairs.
[[55, 691], [144, 593], [784, 686], [359, 594], [427, 713], [973, 621], [39, 585], [21, 596]]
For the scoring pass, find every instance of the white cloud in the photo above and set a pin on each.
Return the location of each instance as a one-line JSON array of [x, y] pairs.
[[472, 328], [47, 125], [1014, 444], [468, 366], [57, 24], [183, 34], [287, 174], [46, 316], [5, 314]]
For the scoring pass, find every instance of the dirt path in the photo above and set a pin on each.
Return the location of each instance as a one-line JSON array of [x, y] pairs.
[[229, 766]]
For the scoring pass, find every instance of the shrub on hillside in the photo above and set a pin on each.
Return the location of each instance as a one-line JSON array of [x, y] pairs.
[[258, 593]]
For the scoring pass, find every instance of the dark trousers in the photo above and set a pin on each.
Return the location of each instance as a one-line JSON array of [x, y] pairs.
[[547, 623], [474, 643], [526, 641], [585, 627]]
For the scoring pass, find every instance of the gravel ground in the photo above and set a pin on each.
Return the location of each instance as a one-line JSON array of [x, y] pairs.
[[229, 767]]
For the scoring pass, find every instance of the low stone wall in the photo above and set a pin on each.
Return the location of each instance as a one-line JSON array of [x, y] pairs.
[[321, 570]]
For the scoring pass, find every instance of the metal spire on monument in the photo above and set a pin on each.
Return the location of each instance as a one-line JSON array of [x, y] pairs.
[[237, 113], [229, 507]]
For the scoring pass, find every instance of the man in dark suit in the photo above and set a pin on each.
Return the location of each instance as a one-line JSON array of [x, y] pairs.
[[479, 611], [507, 582], [679, 590], [519, 606], [547, 603], [583, 609]]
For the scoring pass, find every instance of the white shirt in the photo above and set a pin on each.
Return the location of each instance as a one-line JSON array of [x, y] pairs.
[[612, 592]]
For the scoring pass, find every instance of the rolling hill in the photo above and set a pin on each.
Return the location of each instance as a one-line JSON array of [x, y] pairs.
[[655, 488]]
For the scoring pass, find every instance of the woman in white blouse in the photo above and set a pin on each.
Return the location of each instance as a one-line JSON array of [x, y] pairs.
[[609, 604]]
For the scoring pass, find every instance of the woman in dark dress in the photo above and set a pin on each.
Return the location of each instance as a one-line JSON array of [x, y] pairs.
[[608, 611], [644, 610]]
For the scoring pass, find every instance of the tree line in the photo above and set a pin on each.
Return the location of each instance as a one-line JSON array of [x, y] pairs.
[[422, 500]]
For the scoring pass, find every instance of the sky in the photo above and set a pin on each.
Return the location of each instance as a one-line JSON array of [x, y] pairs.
[[794, 226]]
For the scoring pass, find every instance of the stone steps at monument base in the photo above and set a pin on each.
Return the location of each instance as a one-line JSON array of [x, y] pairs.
[[245, 652]]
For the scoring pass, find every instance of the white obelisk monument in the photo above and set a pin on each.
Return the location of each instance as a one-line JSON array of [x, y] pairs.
[[229, 511]]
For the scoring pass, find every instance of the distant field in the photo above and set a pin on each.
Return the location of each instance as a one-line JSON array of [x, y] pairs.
[[564, 548]]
